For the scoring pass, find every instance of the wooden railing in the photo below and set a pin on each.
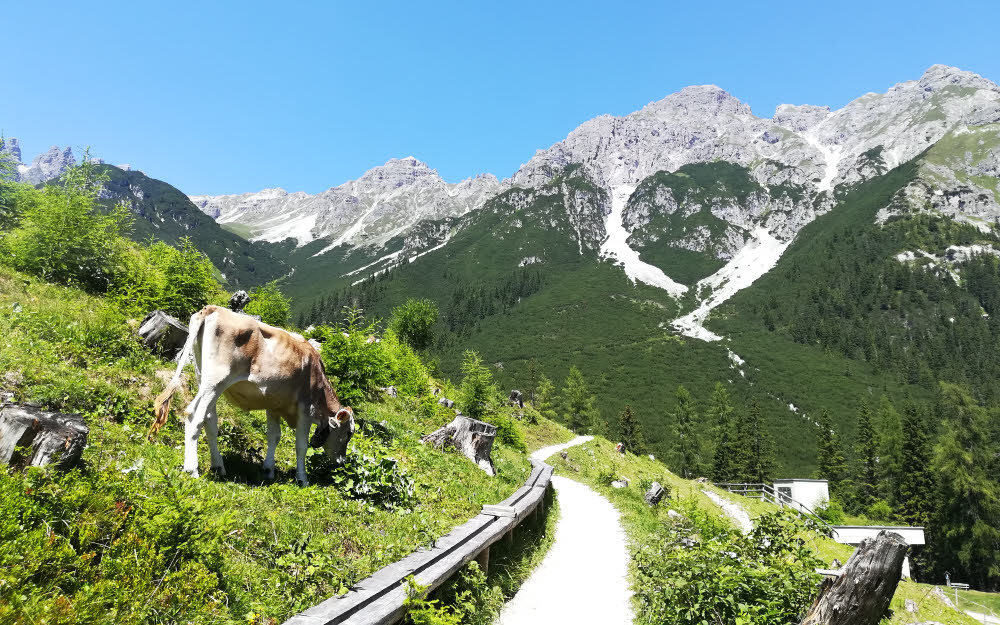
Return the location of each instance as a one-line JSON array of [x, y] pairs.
[[766, 492], [378, 600]]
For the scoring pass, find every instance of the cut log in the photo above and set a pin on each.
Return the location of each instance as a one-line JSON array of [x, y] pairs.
[[238, 301], [861, 595], [31, 437], [516, 399], [471, 437], [163, 334]]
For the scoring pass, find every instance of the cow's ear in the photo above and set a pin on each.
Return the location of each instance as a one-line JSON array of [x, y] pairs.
[[343, 415]]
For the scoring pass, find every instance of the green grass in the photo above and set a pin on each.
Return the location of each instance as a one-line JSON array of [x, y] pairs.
[[128, 538], [241, 230], [984, 602]]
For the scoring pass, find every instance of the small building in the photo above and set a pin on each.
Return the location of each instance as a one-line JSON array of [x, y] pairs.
[[854, 534], [802, 495]]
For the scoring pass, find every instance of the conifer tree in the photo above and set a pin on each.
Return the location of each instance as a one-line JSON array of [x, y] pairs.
[[916, 482], [630, 432], [890, 450], [967, 523], [720, 414], [866, 459], [755, 449], [831, 461], [687, 443], [546, 399], [578, 403]]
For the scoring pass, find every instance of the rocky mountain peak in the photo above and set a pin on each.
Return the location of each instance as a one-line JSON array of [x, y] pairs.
[[939, 76], [11, 146], [800, 118], [698, 100]]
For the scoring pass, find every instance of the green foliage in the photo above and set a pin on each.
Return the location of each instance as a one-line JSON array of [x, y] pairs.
[[755, 447], [413, 321], [178, 281], [578, 403], [916, 481], [62, 238], [967, 522], [698, 569], [879, 511], [270, 304], [368, 473], [687, 442], [546, 400], [831, 461], [423, 611], [630, 432], [359, 366], [890, 450], [831, 512], [508, 431], [720, 415], [866, 459], [479, 391]]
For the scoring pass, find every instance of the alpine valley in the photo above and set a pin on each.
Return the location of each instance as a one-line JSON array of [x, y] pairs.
[[809, 260]]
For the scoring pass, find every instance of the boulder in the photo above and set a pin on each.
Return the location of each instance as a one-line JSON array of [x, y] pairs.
[[447, 403], [238, 301], [32, 437], [471, 437], [655, 494], [163, 334], [390, 391]]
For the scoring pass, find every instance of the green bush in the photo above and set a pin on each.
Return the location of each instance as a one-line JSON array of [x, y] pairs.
[[508, 432], [879, 511], [832, 512], [178, 281], [698, 569], [375, 478], [359, 366], [479, 391], [270, 304], [414, 321]]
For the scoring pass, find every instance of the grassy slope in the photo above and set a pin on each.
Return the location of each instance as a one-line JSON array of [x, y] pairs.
[[585, 463], [271, 549]]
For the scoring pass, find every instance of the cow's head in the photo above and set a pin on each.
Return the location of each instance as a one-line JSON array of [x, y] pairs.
[[333, 433]]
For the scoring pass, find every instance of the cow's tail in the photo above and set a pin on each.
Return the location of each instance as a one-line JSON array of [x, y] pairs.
[[161, 406]]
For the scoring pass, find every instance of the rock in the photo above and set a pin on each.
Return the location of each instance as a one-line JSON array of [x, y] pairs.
[[163, 334], [390, 391], [239, 301], [564, 455], [621, 482], [937, 592], [50, 437], [471, 437], [316, 345], [701, 480], [655, 494], [620, 448], [911, 606], [447, 403], [674, 514], [47, 166], [516, 399]]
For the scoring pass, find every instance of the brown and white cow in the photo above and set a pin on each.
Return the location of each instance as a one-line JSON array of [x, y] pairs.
[[257, 367]]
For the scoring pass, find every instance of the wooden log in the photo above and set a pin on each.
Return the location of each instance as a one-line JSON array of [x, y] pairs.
[[31, 437], [483, 559], [471, 437], [861, 594], [163, 334]]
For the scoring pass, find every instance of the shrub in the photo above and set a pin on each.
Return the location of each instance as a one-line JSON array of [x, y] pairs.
[[63, 238], [375, 478], [413, 322], [270, 303], [698, 569], [508, 431], [178, 281], [832, 512], [879, 511], [478, 390]]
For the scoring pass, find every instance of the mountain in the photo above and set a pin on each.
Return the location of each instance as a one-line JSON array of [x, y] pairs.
[[45, 166], [386, 201]]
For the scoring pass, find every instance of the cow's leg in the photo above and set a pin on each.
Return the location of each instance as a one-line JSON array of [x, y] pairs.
[[273, 436], [192, 429], [212, 434], [302, 445]]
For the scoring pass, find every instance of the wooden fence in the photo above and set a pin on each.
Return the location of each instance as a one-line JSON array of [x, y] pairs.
[[378, 600]]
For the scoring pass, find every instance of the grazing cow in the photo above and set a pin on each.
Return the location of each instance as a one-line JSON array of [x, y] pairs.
[[257, 367]]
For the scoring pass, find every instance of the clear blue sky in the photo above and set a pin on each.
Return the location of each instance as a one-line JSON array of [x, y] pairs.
[[228, 97]]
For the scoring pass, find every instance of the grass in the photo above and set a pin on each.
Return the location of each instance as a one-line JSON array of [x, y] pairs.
[[984, 602], [129, 538]]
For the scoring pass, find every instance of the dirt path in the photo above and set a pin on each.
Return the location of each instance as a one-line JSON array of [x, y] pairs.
[[584, 577]]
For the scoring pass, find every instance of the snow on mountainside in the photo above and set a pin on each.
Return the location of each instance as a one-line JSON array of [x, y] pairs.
[[790, 167], [384, 202]]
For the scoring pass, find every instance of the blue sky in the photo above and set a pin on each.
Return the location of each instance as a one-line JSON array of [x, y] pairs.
[[228, 97]]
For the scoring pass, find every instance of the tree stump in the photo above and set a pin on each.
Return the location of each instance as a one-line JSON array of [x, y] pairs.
[[516, 399], [31, 437], [238, 301], [163, 334], [471, 437], [655, 494], [861, 595]]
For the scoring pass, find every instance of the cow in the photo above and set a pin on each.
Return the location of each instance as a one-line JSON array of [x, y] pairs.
[[257, 367]]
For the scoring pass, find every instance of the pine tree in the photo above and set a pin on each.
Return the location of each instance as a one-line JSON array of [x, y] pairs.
[[966, 525], [687, 443], [631, 432], [720, 414], [866, 459], [831, 461], [916, 482], [890, 450], [546, 399], [755, 447], [578, 403]]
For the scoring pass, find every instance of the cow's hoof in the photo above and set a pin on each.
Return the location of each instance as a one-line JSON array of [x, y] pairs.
[[268, 475], [302, 481], [192, 472], [219, 470]]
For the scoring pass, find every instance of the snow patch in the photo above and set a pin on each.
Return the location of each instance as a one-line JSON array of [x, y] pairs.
[[435, 248], [616, 246], [831, 159], [299, 228], [350, 232], [733, 510], [752, 261], [373, 263]]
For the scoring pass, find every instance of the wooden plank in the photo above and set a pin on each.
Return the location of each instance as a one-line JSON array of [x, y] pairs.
[[508, 511]]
